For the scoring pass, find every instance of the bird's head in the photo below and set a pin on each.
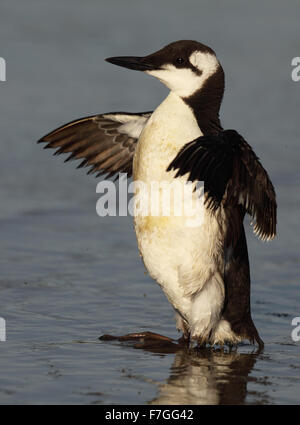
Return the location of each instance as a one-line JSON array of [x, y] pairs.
[[184, 66]]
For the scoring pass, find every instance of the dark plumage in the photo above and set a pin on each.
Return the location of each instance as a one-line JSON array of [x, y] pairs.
[[232, 174]]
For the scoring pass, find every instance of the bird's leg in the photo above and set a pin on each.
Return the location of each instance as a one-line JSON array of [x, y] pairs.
[[150, 340], [183, 327], [147, 338], [206, 309], [184, 340], [152, 336]]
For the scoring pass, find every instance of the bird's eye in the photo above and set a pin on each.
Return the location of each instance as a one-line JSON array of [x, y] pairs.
[[179, 60]]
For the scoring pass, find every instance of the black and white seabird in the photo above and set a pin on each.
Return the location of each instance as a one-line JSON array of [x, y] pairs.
[[203, 271]]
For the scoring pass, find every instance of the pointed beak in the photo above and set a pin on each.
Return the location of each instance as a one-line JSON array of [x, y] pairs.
[[132, 62]]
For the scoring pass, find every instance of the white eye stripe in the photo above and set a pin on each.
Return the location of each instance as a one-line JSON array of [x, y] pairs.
[[184, 81], [204, 62]]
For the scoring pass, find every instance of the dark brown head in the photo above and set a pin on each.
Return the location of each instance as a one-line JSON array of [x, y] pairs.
[[183, 66], [189, 69]]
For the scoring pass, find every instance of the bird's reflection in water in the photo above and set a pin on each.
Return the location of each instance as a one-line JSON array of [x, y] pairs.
[[201, 376], [207, 377]]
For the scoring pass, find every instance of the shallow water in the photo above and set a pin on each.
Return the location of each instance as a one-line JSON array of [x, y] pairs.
[[68, 276]]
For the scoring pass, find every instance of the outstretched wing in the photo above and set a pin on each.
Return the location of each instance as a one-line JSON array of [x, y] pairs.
[[106, 143], [233, 175]]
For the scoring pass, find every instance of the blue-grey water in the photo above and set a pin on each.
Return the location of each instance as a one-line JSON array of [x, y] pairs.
[[67, 275]]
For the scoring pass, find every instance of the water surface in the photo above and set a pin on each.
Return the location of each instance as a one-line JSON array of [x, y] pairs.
[[68, 276]]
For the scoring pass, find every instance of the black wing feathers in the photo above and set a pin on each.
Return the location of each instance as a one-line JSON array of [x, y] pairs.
[[232, 174]]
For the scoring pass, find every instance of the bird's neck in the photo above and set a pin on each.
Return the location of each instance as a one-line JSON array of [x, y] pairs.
[[206, 103]]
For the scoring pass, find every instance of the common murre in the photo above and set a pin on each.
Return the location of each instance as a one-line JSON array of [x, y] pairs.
[[204, 272]]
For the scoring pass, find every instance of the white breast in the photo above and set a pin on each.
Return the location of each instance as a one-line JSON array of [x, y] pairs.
[[182, 259], [170, 127]]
